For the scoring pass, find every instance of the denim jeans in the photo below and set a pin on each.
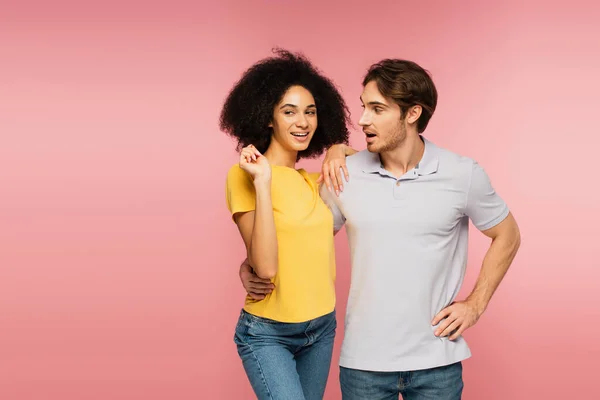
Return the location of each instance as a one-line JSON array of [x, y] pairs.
[[441, 383], [286, 361]]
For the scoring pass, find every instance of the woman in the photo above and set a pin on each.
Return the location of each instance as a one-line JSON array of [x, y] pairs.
[[280, 111]]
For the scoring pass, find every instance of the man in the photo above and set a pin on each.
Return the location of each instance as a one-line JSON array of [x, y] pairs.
[[406, 204]]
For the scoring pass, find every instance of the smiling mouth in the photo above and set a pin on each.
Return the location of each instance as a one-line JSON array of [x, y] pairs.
[[300, 134]]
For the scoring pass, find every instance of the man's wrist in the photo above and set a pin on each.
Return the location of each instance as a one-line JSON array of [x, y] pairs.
[[478, 304]]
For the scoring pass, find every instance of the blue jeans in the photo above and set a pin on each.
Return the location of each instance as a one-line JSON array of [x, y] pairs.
[[286, 361], [441, 383]]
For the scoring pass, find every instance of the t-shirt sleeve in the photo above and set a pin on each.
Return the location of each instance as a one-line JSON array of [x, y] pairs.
[[330, 200], [484, 207], [240, 192]]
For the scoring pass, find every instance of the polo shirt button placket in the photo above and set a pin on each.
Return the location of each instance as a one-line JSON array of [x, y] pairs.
[[398, 189]]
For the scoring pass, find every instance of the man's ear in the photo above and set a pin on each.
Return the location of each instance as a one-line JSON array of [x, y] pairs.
[[413, 114]]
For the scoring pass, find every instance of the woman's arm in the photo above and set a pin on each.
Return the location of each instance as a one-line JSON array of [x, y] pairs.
[[258, 227]]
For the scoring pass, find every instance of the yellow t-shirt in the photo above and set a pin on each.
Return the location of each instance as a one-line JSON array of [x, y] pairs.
[[304, 283]]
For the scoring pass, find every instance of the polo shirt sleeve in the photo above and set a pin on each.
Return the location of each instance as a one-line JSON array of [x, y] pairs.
[[484, 207], [331, 201], [240, 192]]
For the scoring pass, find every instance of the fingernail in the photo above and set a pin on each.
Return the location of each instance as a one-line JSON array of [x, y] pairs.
[[337, 192], [342, 188]]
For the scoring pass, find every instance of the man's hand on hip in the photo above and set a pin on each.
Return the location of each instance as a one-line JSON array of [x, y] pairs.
[[256, 287], [456, 318]]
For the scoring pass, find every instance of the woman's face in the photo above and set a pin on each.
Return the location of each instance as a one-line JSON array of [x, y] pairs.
[[295, 119]]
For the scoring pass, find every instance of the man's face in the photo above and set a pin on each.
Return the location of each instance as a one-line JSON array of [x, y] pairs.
[[381, 120]]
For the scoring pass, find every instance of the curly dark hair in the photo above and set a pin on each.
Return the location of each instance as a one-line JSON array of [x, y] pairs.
[[249, 107]]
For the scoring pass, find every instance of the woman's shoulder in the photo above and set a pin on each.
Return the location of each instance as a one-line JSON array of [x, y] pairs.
[[237, 175], [313, 176]]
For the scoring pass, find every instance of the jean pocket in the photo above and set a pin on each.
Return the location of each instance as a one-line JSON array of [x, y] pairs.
[[241, 328], [240, 320], [330, 325]]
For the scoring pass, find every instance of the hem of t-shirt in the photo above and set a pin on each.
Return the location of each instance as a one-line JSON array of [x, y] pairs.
[[241, 211], [278, 318], [496, 220], [383, 366]]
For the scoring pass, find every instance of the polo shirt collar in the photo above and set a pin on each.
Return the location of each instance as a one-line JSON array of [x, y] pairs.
[[428, 165], [430, 161]]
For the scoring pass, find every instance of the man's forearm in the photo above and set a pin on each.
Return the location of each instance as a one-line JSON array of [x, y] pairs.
[[496, 262]]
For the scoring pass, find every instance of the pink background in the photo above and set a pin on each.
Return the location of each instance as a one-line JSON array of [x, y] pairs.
[[118, 260]]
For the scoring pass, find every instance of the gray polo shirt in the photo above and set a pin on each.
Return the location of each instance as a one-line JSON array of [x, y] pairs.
[[408, 244]]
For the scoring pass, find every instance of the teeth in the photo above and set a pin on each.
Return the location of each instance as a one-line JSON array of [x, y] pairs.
[[300, 134]]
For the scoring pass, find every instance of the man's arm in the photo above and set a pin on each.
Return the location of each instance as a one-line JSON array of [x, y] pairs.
[[506, 240], [256, 287], [489, 213], [330, 201], [461, 315]]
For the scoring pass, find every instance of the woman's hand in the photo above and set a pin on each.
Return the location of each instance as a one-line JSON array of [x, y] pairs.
[[255, 164]]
